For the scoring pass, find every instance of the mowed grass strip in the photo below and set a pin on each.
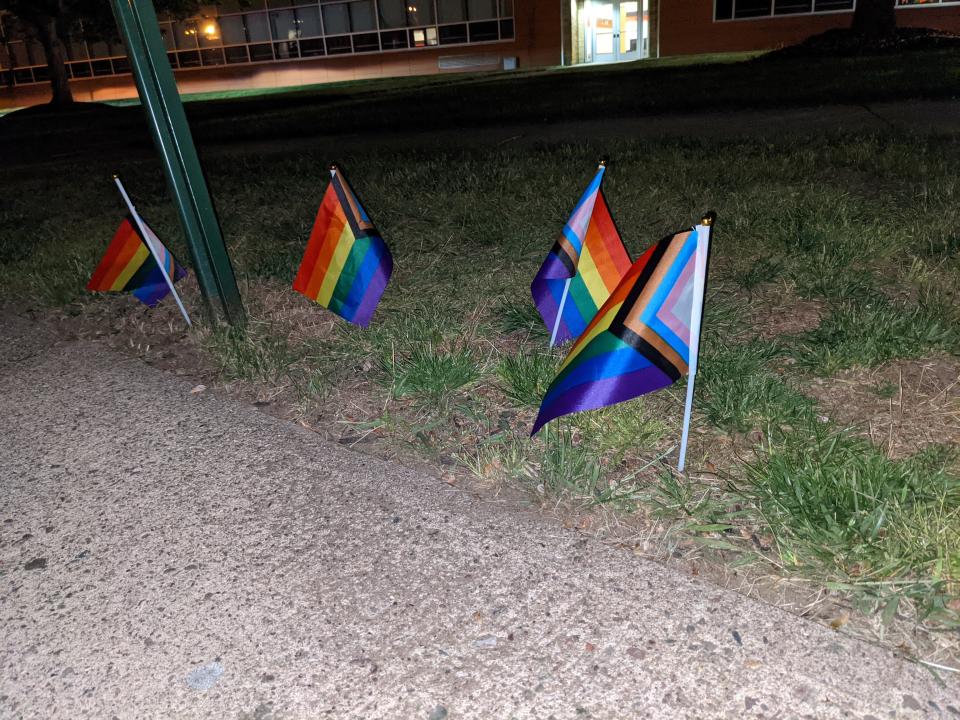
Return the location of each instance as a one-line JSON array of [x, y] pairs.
[[839, 509], [456, 358]]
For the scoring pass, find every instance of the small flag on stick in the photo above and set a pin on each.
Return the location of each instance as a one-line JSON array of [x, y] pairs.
[[346, 265], [137, 262], [584, 266], [645, 337]]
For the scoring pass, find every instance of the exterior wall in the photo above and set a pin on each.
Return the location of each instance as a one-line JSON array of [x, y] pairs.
[[579, 29], [568, 11], [687, 27], [537, 31], [536, 43]]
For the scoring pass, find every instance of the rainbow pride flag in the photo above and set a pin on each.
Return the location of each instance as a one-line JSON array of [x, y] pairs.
[[346, 265], [584, 266], [640, 340], [128, 266]]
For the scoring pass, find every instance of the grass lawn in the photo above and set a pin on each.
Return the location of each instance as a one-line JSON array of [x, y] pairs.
[[541, 96], [828, 405]]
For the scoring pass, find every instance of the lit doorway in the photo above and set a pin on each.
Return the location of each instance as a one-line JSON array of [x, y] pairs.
[[615, 30]]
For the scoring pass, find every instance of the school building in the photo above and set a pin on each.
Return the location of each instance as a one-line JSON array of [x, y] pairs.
[[278, 43]]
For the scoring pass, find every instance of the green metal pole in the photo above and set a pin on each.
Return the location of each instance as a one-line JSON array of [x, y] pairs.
[[137, 21]]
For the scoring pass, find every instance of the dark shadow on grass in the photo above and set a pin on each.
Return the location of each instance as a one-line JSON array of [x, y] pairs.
[[542, 97]]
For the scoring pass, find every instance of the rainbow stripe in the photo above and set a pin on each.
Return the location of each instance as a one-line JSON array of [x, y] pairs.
[[638, 342], [346, 265], [128, 266], [591, 255]]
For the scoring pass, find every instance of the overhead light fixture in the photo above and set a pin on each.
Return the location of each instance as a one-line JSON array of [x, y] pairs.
[[211, 31]]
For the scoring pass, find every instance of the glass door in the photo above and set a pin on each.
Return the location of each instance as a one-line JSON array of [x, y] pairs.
[[618, 30], [604, 31], [628, 31]]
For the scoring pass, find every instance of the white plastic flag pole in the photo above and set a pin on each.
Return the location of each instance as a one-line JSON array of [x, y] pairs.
[[696, 316], [563, 302], [601, 168], [145, 235]]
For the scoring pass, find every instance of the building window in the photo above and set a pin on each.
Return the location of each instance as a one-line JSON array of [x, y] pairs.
[[482, 9], [451, 11], [791, 7], [361, 16], [336, 19], [745, 9], [832, 5], [425, 37], [405, 13]]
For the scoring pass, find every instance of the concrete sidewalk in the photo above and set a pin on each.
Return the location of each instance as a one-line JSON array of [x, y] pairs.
[[170, 555]]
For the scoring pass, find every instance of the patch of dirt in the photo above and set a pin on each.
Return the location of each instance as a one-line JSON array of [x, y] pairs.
[[901, 406], [775, 310]]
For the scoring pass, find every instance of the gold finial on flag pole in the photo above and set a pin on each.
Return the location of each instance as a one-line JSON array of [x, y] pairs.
[[708, 218], [603, 161]]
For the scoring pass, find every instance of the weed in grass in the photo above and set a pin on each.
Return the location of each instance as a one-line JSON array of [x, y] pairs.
[[525, 378], [834, 503], [521, 317], [694, 509], [61, 287], [830, 272], [763, 270], [429, 371], [675, 495], [800, 232], [886, 389], [722, 317], [421, 324], [740, 391], [312, 386], [870, 334], [501, 457], [620, 429], [253, 354], [941, 247], [567, 467], [939, 298]]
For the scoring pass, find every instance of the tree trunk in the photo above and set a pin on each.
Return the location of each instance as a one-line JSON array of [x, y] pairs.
[[56, 62], [874, 18]]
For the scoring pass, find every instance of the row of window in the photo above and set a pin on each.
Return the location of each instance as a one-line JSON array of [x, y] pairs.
[[357, 42], [324, 19], [743, 9], [279, 32]]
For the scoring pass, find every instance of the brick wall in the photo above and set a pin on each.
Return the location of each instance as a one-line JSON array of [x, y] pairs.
[[538, 31], [687, 27]]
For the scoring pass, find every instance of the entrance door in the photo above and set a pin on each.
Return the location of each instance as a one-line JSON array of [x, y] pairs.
[[628, 37], [605, 33], [617, 32]]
